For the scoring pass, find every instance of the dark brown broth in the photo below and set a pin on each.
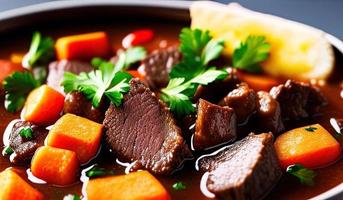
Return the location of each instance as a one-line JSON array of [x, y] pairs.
[[288, 187]]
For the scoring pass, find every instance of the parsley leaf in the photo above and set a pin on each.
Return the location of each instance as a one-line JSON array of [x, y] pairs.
[[26, 132], [95, 84], [179, 186], [7, 151], [251, 52], [17, 86], [310, 129], [304, 175], [71, 197], [98, 172], [41, 50], [198, 49], [179, 92], [129, 57]]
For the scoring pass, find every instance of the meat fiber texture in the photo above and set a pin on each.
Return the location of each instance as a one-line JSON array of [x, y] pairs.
[[142, 130], [247, 169]]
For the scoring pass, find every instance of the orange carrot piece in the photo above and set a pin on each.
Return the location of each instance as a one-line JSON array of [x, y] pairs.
[[139, 185], [13, 187], [83, 46], [55, 166], [258, 82], [136, 74], [77, 134], [43, 106], [311, 146], [17, 58], [7, 68]]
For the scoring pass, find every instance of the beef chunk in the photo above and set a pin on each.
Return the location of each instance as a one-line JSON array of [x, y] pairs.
[[143, 130], [217, 90], [57, 69], [297, 99], [247, 169], [158, 64], [214, 125], [76, 103], [269, 113], [24, 148], [243, 100]]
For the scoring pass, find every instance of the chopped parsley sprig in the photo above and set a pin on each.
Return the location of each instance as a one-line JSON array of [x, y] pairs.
[[96, 171], [305, 176], [198, 49], [17, 86], [41, 51], [250, 53]]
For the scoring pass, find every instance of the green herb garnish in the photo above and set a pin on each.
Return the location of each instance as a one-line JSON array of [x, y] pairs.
[[71, 197], [26, 132], [305, 176], [7, 151], [179, 186], [179, 92], [98, 172], [129, 57], [310, 129], [198, 49], [102, 82], [41, 50], [250, 53], [17, 86]]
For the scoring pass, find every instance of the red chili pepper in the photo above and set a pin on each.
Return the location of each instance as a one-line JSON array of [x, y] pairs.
[[138, 37]]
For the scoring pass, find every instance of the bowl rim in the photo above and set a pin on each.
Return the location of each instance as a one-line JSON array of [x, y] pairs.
[[182, 5]]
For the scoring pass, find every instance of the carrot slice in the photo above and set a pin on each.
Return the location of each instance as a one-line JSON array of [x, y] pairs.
[[311, 146], [77, 134], [17, 58], [7, 68], [55, 166], [43, 106], [139, 185], [83, 46], [136, 74], [258, 82], [13, 187]]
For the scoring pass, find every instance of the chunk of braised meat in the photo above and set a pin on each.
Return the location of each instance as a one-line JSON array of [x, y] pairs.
[[214, 125], [243, 100], [57, 69], [76, 103], [298, 100], [217, 90], [23, 147], [158, 64], [269, 113], [247, 169], [142, 130]]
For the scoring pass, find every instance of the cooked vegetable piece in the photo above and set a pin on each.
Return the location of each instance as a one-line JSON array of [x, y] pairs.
[[258, 82], [136, 74], [17, 86], [83, 46], [311, 149], [7, 68], [43, 106], [26, 132], [304, 175], [55, 166], [134, 186], [17, 58], [41, 51], [77, 134], [13, 187], [138, 37]]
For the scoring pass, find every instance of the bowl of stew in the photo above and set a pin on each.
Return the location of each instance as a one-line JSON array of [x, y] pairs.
[[167, 100]]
